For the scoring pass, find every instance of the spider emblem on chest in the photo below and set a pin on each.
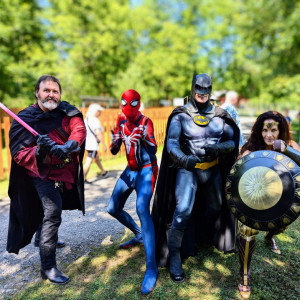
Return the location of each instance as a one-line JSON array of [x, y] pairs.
[[131, 140]]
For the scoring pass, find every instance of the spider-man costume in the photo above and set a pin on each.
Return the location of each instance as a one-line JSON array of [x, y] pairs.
[[136, 131]]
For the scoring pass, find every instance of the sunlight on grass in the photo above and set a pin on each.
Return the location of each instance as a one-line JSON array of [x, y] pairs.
[[279, 263], [223, 270], [208, 264], [125, 288], [98, 260], [268, 261], [285, 238]]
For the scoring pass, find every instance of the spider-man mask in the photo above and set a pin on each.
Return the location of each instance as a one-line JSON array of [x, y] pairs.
[[131, 102]]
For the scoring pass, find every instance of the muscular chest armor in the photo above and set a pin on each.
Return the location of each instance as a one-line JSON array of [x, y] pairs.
[[193, 137]]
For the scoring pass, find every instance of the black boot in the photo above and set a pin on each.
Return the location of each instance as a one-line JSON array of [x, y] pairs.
[[55, 276], [59, 244], [174, 238]]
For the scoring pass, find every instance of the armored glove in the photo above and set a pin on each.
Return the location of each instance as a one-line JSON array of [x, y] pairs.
[[44, 145], [62, 151]]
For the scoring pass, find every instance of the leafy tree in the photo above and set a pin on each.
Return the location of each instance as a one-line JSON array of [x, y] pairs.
[[22, 50], [265, 58]]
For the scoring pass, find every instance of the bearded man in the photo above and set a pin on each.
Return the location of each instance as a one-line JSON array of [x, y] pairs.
[[46, 173]]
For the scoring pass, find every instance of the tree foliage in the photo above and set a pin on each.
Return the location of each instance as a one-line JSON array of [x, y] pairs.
[[102, 47]]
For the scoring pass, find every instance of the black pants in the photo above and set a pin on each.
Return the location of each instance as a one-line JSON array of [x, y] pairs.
[[52, 206]]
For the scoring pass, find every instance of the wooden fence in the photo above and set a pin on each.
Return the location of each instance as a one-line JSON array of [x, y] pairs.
[[159, 117]]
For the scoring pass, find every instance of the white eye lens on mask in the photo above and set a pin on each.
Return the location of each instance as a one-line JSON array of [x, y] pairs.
[[124, 102], [134, 103]]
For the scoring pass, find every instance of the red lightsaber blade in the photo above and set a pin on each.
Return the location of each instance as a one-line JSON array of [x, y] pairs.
[[14, 116]]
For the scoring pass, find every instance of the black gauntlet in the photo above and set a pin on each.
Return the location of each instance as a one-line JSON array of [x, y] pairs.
[[44, 145], [63, 151], [187, 162], [216, 150]]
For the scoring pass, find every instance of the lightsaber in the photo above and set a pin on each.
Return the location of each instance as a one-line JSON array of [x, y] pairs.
[[19, 120], [25, 125]]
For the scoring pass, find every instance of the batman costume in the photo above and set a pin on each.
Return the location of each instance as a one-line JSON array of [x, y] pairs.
[[189, 207]]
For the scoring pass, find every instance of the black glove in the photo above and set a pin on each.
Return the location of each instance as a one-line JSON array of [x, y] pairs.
[[62, 151], [215, 150], [211, 150], [44, 145], [190, 161]]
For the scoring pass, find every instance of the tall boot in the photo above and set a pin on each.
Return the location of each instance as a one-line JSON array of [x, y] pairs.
[[174, 239], [246, 243]]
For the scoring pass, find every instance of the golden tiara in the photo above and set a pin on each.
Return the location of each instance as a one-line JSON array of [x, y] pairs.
[[270, 124]]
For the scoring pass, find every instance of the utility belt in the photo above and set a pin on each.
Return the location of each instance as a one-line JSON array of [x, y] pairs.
[[207, 165]]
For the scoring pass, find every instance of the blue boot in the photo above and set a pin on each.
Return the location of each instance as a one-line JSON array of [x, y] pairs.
[[149, 281], [137, 240]]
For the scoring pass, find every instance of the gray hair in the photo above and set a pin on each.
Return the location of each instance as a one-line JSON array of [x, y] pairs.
[[231, 95], [93, 108]]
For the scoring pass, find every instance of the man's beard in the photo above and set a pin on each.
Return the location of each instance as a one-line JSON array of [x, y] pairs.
[[50, 105]]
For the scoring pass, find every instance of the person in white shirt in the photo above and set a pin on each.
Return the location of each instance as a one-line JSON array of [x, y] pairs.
[[230, 105], [94, 136]]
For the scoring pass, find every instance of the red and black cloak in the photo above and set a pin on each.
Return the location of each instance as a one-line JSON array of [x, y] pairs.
[[26, 211]]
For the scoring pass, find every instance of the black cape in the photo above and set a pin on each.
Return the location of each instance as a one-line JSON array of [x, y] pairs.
[[26, 212], [223, 235]]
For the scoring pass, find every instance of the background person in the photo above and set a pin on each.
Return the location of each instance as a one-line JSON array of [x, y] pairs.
[[287, 117], [269, 128], [94, 136], [46, 173], [230, 105]]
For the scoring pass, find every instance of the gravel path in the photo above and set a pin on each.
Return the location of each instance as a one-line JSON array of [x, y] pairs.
[[81, 234]]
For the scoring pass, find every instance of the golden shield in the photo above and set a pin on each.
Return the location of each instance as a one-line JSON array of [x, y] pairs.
[[263, 190]]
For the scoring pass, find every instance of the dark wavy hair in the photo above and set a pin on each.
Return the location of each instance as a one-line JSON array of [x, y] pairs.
[[46, 78], [255, 141]]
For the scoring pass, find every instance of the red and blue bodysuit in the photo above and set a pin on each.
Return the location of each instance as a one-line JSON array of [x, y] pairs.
[[136, 132]]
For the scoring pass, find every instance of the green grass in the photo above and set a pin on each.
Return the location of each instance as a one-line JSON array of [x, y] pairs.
[[110, 273]]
